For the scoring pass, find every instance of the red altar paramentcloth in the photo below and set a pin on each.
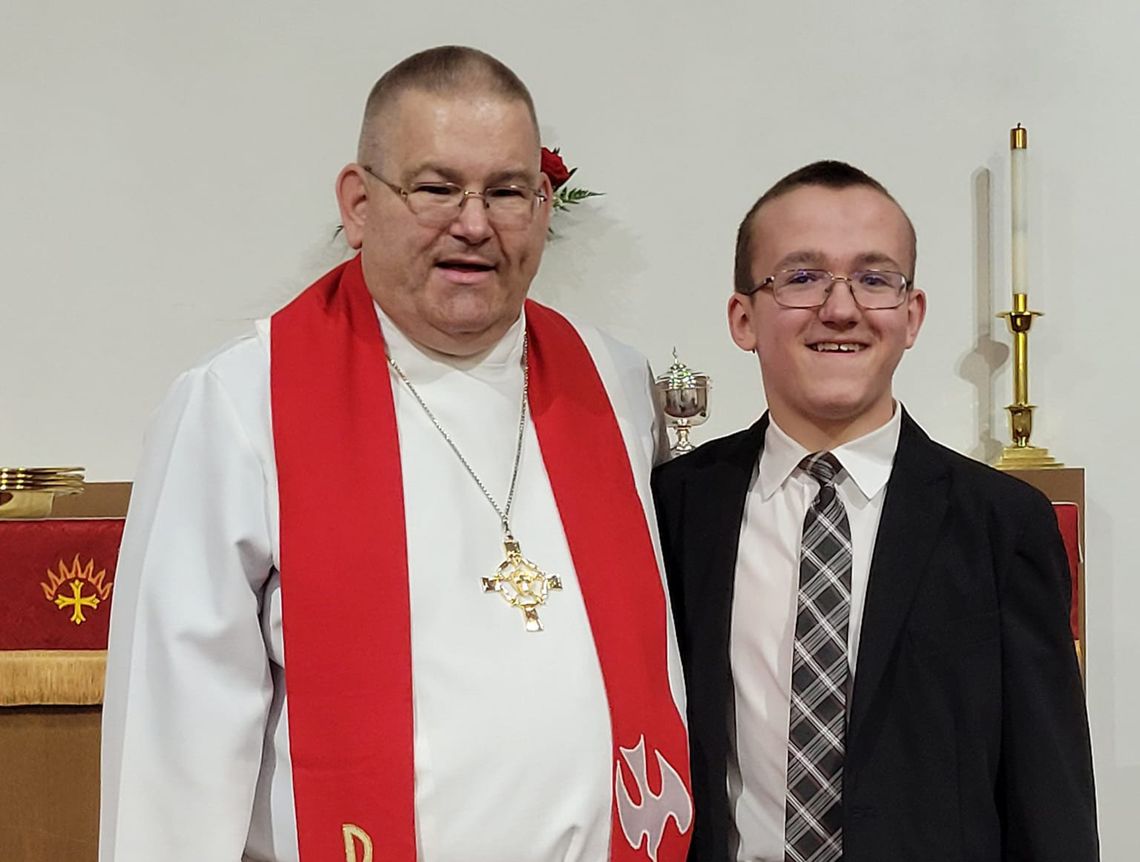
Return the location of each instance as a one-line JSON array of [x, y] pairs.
[[56, 580]]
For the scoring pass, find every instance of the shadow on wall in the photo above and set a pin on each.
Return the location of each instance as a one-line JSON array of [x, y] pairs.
[[981, 364], [587, 269], [327, 249]]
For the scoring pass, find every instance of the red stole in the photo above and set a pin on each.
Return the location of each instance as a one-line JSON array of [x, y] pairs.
[[349, 675]]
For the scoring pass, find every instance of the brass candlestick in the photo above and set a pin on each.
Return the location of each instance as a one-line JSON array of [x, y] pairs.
[[1020, 454]]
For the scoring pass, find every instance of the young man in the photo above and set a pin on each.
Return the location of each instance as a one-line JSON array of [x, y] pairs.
[[365, 606], [874, 628]]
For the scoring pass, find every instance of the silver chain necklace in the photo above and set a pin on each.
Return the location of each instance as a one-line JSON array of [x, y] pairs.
[[503, 513], [520, 582]]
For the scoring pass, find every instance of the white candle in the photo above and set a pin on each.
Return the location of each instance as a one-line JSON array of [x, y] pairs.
[[1018, 153]]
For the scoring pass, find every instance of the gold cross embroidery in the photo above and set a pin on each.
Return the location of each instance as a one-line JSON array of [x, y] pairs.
[[77, 601]]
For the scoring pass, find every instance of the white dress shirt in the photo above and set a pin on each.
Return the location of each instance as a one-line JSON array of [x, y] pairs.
[[513, 754], [764, 614]]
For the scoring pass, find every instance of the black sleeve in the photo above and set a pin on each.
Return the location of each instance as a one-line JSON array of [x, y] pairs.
[[668, 504], [1045, 788]]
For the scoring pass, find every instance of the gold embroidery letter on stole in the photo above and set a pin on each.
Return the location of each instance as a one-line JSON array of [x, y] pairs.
[[351, 831]]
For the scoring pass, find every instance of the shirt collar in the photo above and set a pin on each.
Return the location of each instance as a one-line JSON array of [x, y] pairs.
[[867, 459]]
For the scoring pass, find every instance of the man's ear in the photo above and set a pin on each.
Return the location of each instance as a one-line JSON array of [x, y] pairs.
[[740, 321], [915, 314], [352, 199]]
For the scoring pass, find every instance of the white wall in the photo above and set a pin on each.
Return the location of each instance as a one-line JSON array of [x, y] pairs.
[[167, 176]]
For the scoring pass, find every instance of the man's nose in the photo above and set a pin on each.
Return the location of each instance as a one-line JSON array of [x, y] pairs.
[[472, 223], [840, 307]]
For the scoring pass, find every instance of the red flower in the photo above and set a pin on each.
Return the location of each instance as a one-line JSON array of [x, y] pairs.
[[555, 168]]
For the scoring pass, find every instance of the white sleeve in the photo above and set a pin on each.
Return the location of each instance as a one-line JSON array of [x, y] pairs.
[[188, 681], [661, 453]]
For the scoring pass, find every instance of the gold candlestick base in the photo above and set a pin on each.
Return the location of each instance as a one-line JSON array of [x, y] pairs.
[[1020, 455], [1026, 458]]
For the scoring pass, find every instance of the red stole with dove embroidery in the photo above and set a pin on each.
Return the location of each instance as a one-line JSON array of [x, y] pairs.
[[349, 672]]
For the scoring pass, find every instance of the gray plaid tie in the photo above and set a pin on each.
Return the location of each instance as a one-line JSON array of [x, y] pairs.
[[813, 814]]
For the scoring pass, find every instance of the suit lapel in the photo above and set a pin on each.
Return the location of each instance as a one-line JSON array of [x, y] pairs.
[[915, 504], [720, 508], [714, 497], [716, 508]]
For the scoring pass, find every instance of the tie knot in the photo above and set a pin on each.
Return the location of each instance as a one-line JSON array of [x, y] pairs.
[[822, 466]]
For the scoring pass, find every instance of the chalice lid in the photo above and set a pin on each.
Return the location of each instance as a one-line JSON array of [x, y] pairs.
[[681, 376]]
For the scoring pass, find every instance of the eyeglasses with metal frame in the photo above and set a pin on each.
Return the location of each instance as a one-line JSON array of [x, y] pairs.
[[873, 289], [436, 204]]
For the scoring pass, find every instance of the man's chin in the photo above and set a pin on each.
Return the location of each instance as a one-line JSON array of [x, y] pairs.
[[468, 334], [847, 409]]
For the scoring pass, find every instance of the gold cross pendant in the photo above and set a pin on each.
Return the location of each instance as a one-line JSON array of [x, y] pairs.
[[521, 583]]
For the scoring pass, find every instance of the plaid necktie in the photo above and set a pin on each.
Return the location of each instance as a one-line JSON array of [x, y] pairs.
[[813, 814]]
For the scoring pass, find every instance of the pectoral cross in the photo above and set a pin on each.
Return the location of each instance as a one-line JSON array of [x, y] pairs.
[[521, 583]]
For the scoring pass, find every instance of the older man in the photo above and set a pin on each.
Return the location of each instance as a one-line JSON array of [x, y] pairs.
[[874, 628], [388, 587]]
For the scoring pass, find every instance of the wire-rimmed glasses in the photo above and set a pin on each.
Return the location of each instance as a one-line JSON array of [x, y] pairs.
[[436, 204], [810, 288]]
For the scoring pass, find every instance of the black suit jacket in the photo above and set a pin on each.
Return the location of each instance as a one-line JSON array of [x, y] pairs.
[[967, 733]]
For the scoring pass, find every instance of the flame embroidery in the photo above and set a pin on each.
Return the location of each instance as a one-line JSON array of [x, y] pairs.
[[77, 577]]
